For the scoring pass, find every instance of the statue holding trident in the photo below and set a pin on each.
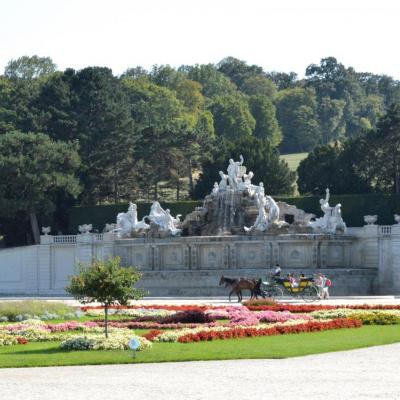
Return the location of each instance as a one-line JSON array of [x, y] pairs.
[[235, 172]]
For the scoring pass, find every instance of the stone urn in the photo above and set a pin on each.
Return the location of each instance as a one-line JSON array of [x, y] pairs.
[[397, 218], [46, 230], [85, 228], [370, 219]]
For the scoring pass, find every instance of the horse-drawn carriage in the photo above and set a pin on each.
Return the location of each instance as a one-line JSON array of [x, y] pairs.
[[274, 288], [277, 287]]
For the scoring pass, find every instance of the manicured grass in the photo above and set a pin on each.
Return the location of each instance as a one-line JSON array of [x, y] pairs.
[[294, 159], [49, 353]]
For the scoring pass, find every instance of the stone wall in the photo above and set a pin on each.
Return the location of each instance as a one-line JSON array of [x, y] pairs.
[[365, 261]]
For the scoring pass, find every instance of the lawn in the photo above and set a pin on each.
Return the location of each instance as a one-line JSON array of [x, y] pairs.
[[294, 159], [49, 353]]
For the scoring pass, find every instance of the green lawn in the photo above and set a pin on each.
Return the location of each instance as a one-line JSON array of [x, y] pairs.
[[49, 353], [294, 159]]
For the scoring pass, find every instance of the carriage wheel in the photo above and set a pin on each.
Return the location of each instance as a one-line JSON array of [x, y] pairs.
[[275, 292], [310, 293]]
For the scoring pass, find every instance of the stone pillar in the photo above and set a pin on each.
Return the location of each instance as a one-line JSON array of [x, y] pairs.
[[45, 265], [395, 259], [323, 254], [193, 256], [232, 256], [275, 254], [108, 245], [84, 248]]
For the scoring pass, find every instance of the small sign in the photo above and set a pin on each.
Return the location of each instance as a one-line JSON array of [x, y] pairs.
[[134, 344]]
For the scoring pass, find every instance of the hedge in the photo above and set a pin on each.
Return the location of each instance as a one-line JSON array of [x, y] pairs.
[[354, 207]]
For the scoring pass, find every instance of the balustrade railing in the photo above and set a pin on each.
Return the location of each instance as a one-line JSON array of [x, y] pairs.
[[386, 230], [64, 239]]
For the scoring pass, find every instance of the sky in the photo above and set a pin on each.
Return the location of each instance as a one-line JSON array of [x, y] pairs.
[[279, 35]]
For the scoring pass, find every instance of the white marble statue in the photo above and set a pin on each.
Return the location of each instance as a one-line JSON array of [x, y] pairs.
[[223, 184], [332, 220], [260, 191], [235, 172], [273, 214], [215, 190], [261, 222], [46, 230], [163, 219], [128, 222]]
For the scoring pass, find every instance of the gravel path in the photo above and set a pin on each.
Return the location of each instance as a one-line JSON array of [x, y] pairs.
[[371, 373]]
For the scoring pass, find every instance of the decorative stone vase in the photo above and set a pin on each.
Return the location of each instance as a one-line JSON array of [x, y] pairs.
[[46, 230], [370, 219], [397, 218], [85, 228]]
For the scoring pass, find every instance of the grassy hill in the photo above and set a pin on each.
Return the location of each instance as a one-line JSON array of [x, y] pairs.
[[294, 159]]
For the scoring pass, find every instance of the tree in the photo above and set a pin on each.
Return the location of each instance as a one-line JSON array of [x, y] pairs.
[[214, 82], [237, 70], [297, 116], [259, 157], [232, 116], [382, 152], [33, 168], [105, 282], [267, 126], [258, 85], [30, 68], [331, 119]]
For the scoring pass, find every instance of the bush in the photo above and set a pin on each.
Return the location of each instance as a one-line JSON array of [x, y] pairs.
[[260, 302]]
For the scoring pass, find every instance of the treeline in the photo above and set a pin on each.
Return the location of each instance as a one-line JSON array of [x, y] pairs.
[[90, 137]]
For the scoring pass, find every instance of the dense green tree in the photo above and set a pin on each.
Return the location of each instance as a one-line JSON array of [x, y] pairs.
[[214, 82], [237, 70], [260, 157], [331, 119], [107, 283], [381, 153], [258, 85], [283, 80], [32, 169], [267, 126], [333, 166], [297, 116], [30, 68], [232, 116]]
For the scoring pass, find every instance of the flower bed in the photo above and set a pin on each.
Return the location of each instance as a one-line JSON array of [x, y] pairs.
[[368, 317], [306, 308], [241, 332], [115, 341]]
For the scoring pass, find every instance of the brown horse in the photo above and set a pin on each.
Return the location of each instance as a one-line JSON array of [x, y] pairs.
[[237, 285]]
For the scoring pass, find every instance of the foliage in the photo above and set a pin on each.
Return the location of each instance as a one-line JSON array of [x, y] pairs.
[[105, 282], [29, 67]]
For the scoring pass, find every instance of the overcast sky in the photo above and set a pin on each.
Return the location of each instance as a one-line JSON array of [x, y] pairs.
[[279, 35]]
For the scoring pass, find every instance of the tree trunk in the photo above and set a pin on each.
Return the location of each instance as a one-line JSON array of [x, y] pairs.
[[34, 227], [178, 187], [191, 188], [106, 320]]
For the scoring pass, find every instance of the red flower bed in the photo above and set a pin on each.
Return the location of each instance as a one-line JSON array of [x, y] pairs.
[[22, 340], [152, 334], [156, 307], [311, 326], [304, 308], [153, 325]]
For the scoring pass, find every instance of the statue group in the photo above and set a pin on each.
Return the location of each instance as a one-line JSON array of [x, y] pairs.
[[160, 220], [234, 202]]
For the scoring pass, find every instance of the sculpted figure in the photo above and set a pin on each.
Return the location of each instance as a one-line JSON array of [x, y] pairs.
[[273, 215], [223, 184], [128, 222], [234, 172], [215, 190], [163, 219], [261, 222], [332, 220]]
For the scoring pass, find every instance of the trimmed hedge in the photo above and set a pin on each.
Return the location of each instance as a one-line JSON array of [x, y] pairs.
[[354, 207]]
